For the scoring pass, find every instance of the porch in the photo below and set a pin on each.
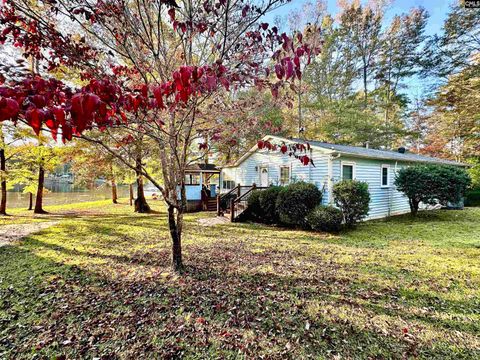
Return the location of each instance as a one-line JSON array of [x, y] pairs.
[[201, 187]]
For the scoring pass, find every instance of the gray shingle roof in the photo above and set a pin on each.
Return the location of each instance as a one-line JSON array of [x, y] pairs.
[[379, 154]]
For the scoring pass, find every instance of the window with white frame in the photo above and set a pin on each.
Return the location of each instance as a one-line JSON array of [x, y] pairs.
[[228, 184], [284, 175], [192, 179], [385, 178], [348, 171]]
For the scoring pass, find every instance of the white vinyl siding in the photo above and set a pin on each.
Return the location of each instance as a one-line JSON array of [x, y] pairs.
[[248, 172], [384, 201]]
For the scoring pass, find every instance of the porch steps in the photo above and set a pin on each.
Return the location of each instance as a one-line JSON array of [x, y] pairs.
[[212, 204]]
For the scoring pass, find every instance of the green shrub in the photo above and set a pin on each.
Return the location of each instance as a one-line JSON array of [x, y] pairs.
[[268, 201], [432, 184], [254, 208], [472, 198], [295, 201], [325, 218], [352, 197]]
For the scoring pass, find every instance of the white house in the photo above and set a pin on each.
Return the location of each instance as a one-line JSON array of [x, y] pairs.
[[331, 163]]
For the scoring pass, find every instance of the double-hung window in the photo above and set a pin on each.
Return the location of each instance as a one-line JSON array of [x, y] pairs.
[[348, 171], [284, 175]]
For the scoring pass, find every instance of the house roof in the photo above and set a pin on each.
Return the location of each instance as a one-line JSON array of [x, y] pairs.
[[355, 151], [202, 167], [379, 154]]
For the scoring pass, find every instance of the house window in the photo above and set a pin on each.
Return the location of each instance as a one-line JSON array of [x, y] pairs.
[[228, 184], [385, 181], [192, 179], [348, 171], [284, 175]]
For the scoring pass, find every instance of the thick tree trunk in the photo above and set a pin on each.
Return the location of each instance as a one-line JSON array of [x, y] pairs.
[[176, 234], [30, 201], [39, 198], [141, 205], [114, 192], [3, 168]]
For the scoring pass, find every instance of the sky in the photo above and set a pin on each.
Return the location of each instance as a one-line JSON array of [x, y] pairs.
[[437, 9]]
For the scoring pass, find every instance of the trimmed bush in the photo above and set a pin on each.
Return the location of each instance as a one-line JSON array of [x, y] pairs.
[[472, 198], [432, 184], [268, 201], [254, 208], [325, 218], [295, 201], [352, 197]]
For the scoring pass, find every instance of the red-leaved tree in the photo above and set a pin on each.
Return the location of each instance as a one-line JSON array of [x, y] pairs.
[[154, 68]]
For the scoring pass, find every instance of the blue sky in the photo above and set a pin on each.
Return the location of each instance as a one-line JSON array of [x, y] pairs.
[[437, 9]]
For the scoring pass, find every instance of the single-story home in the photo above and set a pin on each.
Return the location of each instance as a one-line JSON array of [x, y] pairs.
[[331, 163]]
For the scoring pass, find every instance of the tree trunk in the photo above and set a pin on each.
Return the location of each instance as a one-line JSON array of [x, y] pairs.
[[141, 205], [114, 192], [176, 234], [131, 194], [365, 95], [413, 206], [3, 201], [30, 201], [39, 198]]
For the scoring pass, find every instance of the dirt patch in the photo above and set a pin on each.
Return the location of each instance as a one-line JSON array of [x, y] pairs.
[[212, 221], [14, 232]]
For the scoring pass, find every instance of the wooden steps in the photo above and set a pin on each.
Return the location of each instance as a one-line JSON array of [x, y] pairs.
[[212, 204]]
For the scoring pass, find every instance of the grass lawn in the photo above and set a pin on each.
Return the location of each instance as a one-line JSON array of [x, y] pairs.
[[98, 284]]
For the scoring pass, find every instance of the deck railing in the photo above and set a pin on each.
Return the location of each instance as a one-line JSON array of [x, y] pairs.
[[236, 200]]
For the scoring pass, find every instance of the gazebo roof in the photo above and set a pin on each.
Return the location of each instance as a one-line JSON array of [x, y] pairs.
[[206, 168]]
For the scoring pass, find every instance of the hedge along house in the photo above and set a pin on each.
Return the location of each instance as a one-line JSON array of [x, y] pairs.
[[331, 163]]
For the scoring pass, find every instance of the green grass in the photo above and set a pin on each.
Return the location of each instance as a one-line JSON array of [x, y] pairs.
[[98, 284]]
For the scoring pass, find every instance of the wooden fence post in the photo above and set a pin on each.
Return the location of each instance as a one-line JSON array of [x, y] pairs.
[[218, 205]]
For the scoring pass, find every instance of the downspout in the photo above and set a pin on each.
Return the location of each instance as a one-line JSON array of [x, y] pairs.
[[390, 198], [332, 157]]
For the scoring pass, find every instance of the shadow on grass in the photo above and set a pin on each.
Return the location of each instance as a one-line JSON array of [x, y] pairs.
[[230, 302]]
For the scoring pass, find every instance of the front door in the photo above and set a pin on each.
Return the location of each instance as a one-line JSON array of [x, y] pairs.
[[264, 176]]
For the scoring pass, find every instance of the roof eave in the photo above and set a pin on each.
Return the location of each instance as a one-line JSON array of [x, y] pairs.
[[433, 161]]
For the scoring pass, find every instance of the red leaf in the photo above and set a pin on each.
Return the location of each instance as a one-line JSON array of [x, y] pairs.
[[171, 13], [8, 108], [211, 82], [260, 144], [283, 149], [157, 92], [305, 160], [34, 119], [289, 72], [59, 115], [280, 71], [38, 100], [296, 61]]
